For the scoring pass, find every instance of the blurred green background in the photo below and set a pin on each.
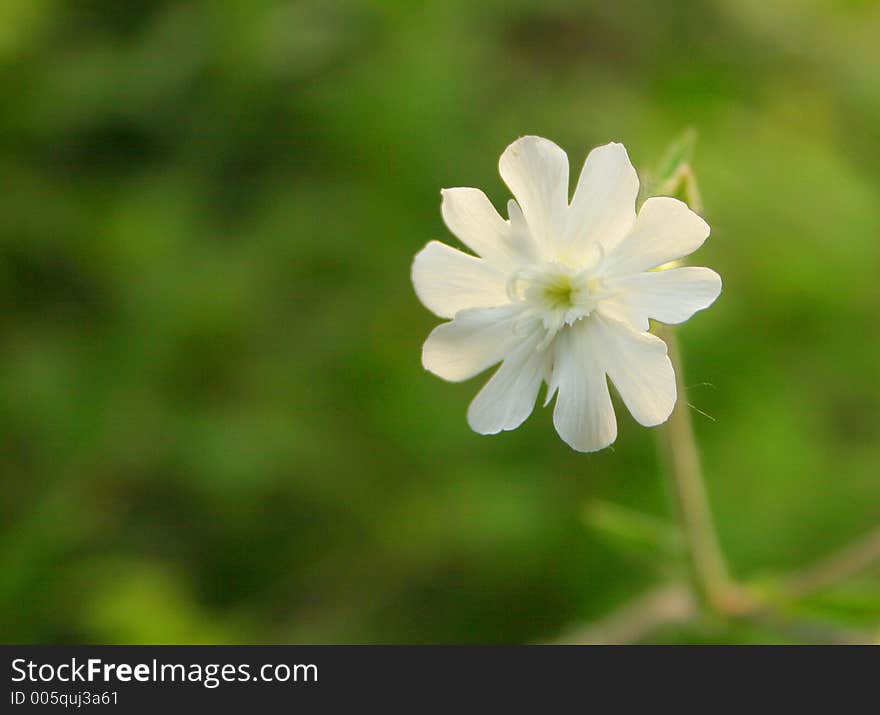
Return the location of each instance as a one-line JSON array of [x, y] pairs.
[[214, 425]]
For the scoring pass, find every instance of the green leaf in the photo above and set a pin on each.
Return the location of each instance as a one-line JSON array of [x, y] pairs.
[[633, 530]]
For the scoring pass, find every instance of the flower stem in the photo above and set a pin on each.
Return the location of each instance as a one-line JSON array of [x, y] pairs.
[[678, 450]]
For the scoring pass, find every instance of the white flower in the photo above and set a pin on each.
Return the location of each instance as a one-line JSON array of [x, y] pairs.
[[562, 292]]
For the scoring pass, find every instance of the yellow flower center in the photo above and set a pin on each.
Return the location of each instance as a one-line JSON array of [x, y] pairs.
[[558, 292]]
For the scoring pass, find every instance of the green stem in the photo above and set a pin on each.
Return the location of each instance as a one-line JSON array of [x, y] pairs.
[[678, 450]]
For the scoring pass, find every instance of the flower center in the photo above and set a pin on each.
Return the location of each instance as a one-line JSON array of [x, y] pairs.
[[556, 294]]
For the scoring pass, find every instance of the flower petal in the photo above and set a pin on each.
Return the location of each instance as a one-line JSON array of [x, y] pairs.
[[671, 296], [447, 280], [536, 171], [474, 341], [519, 240], [665, 230], [603, 208], [583, 415], [509, 397], [623, 312], [469, 214], [640, 369]]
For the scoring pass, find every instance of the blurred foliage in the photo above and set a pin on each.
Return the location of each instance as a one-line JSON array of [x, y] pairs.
[[214, 426]]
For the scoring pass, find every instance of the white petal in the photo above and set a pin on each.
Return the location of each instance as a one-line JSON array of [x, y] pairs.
[[640, 369], [583, 415], [536, 171], [519, 240], [671, 296], [509, 397], [474, 341], [665, 230], [447, 280], [603, 208], [469, 214], [621, 311]]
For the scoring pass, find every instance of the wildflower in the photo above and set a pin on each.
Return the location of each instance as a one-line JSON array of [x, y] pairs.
[[561, 292]]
